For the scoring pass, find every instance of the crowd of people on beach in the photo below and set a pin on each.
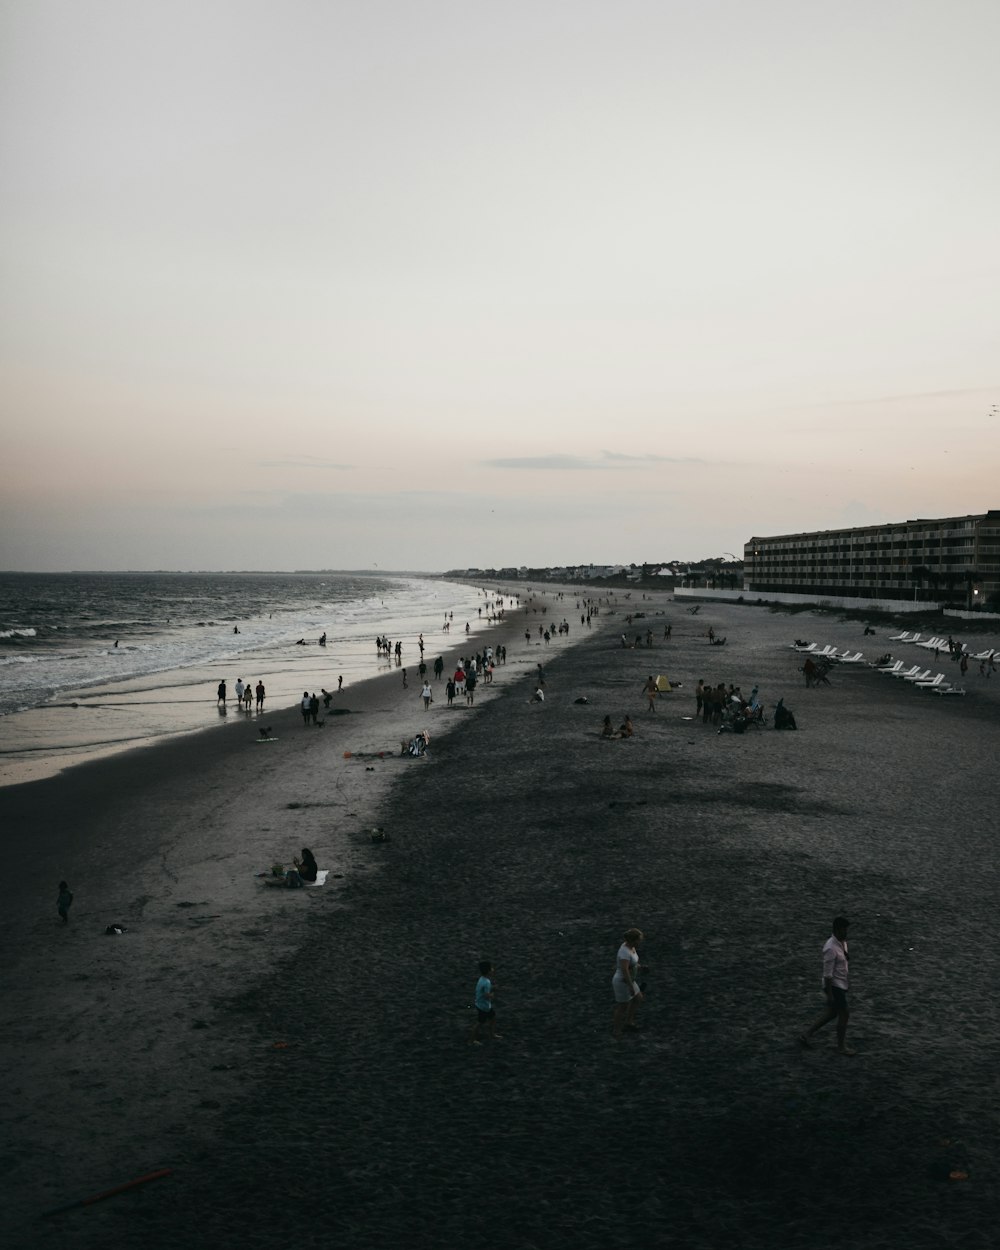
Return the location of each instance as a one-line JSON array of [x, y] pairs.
[[726, 708]]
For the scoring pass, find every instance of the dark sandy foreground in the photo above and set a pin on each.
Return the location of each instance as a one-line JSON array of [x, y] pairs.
[[528, 839]]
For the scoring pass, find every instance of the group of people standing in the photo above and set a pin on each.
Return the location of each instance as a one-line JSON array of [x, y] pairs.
[[712, 702], [244, 694], [385, 646]]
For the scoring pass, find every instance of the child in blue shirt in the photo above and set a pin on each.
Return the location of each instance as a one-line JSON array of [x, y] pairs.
[[486, 1016]]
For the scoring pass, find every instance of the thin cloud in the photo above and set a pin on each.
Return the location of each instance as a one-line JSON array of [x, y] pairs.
[[916, 395], [302, 462], [576, 464]]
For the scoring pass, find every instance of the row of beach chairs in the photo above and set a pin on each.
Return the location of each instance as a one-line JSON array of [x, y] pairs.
[[829, 653], [938, 644], [922, 680], [914, 675]]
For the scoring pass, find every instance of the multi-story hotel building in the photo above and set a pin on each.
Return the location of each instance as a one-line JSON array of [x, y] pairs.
[[956, 559]]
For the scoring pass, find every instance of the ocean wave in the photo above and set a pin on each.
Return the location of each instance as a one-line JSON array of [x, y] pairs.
[[272, 614]]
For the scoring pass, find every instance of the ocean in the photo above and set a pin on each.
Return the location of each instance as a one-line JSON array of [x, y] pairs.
[[143, 652]]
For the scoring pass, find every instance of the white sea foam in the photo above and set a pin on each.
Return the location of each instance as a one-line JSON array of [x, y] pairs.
[[43, 668]]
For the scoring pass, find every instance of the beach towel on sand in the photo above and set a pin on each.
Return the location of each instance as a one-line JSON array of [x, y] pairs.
[[268, 879]]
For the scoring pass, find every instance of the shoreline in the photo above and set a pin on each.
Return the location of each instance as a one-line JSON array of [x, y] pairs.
[[526, 838], [106, 718]]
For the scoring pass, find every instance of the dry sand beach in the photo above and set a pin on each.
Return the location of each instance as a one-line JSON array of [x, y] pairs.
[[299, 1059]]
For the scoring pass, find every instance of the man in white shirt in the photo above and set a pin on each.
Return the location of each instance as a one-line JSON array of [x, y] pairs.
[[835, 982]]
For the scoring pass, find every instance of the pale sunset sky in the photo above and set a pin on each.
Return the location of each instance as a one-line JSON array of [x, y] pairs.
[[427, 283]]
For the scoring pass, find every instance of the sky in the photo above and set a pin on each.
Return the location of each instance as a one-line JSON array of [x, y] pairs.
[[421, 284]]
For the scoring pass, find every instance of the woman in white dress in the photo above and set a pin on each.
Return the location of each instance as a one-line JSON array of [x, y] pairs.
[[628, 996]]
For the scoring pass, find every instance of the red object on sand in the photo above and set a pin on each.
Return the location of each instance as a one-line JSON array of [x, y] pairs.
[[347, 755], [110, 1193]]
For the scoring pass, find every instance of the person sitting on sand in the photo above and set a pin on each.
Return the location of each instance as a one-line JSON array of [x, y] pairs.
[[607, 729], [783, 718], [626, 730], [306, 865]]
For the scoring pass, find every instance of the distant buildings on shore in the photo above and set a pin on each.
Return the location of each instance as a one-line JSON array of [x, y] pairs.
[[663, 576], [954, 559]]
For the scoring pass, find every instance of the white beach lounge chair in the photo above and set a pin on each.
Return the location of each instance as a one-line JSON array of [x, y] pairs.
[[901, 672], [898, 637], [827, 652], [856, 658], [948, 690], [983, 655], [808, 647], [914, 677], [891, 668], [930, 684], [929, 643]]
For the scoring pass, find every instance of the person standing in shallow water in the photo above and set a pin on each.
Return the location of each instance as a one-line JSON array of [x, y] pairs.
[[835, 982], [649, 690]]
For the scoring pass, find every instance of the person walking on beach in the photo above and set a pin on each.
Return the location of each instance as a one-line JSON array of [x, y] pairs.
[[486, 1015], [221, 693], [427, 695], [260, 695], [628, 996], [470, 687], [649, 690], [450, 691], [247, 696], [835, 981], [304, 708], [239, 689], [438, 668], [340, 684], [314, 708], [64, 901]]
